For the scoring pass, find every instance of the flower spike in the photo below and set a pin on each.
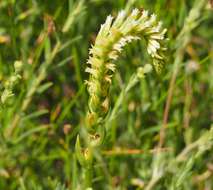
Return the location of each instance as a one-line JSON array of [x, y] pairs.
[[110, 41]]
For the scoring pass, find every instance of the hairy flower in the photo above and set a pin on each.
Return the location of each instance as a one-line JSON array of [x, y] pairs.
[[110, 41]]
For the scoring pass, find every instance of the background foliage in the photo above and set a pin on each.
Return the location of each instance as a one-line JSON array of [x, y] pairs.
[[39, 124]]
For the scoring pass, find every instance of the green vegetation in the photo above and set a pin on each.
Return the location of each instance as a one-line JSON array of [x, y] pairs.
[[142, 120]]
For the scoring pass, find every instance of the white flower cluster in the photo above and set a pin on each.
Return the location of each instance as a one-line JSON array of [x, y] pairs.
[[111, 39]]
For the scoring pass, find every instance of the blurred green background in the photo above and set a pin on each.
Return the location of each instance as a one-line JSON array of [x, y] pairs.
[[39, 124]]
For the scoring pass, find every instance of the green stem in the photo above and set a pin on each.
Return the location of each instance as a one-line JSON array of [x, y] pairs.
[[132, 82], [87, 172]]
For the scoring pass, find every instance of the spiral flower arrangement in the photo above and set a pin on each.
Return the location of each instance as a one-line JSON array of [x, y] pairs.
[[111, 39]]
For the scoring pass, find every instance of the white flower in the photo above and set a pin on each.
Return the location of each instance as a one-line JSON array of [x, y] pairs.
[[119, 20], [111, 39], [135, 13], [104, 31]]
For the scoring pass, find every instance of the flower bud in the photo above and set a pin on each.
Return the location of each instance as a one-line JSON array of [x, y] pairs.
[[18, 65]]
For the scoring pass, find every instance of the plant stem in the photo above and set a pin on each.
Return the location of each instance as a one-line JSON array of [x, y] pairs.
[[132, 82], [87, 173]]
